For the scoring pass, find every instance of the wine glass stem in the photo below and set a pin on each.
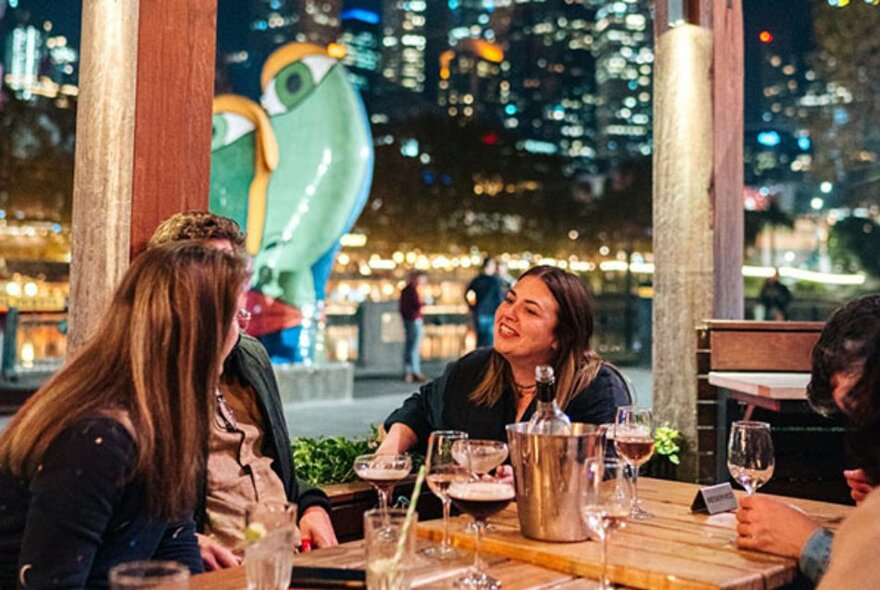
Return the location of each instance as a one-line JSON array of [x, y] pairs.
[[383, 498], [603, 583], [446, 506], [478, 565], [636, 504]]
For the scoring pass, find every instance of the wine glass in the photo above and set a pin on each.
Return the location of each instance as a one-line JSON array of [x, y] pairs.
[[481, 496], [607, 502], [750, 457], [634, 443], [484, 455], [442, 469], [383, 471]]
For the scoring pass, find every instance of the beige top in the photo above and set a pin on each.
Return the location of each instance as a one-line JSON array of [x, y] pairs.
[[854, 553], [238, 472]]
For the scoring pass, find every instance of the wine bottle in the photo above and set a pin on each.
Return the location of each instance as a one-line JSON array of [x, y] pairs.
[[548, 418]]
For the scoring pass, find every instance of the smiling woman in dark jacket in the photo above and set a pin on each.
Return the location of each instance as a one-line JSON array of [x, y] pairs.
[[546, 318], [101, 465]]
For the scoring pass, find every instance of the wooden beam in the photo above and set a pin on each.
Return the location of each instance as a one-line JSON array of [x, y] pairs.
[[698, 180], [104, 154], [143, 136], [172, 150]]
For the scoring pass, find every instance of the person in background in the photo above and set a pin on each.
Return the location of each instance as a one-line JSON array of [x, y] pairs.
[[483, 295], [841, 359], [101, 465], [249, 456], [507, 281], [775, 297], [413, 326], [547, 318]]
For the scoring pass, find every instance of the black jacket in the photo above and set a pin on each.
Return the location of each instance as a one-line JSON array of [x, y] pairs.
[[78, 515], [444, 404], [249, 363]]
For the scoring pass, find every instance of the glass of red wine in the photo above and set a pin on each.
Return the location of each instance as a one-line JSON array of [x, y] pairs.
[[479, 495]]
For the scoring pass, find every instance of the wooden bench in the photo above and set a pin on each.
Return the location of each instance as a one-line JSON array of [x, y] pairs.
[[809, 449]]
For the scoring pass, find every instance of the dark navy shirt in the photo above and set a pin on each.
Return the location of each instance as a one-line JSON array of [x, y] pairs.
[[444, 404], [488, 293], [78, 516]]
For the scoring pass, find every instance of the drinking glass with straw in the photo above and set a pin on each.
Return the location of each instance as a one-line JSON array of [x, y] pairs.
[[389, 541]]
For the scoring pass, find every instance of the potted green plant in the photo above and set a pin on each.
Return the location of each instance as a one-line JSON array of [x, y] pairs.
[[668, 447]]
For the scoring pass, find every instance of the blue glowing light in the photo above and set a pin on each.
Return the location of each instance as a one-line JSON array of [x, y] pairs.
[[510, 109], [365, 16], [804, 143], [769, 138]]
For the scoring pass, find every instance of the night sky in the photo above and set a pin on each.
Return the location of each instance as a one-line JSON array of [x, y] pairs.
[[788, 20]]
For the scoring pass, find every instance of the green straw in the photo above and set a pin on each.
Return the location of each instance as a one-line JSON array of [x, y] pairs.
[[410, 513]]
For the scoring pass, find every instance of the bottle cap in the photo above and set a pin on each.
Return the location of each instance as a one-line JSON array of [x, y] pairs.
[[544, 374]]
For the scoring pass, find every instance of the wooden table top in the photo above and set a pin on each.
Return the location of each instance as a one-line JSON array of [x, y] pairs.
[[674, 550], [429, 574], [781, 386]]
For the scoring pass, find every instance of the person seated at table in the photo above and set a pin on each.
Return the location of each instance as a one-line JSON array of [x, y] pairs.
[[249, 456], [101, 465], [841, 358], [546, 318]]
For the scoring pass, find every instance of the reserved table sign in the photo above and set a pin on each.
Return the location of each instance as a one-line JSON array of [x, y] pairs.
[[714, 499]]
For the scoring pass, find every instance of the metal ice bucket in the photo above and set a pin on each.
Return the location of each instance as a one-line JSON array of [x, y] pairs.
[[549, 471]]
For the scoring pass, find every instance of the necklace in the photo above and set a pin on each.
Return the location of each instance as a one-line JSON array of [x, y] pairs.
[[525, 390], [225, 412]]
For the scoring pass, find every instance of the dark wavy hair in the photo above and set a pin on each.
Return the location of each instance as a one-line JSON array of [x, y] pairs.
[[864, 414], [849, 339]]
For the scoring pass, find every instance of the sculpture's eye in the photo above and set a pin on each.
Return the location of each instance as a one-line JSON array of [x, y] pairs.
[[295, 82], [228, 127]]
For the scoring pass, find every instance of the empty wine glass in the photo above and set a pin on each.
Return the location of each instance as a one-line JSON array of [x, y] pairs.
[[481, 496], [607, 503], [634, 443], [750, 457], [442, 469], [383, 471]]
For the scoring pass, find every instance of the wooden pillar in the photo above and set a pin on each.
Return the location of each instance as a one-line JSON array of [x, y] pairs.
[[698, 212], [143, 136]]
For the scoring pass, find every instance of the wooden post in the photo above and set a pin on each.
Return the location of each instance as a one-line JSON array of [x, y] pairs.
[[143, 136], [698, 213]]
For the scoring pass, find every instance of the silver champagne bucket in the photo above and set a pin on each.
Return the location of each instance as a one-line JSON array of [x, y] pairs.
[[549, 471]]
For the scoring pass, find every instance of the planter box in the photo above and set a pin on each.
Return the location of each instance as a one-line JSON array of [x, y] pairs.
[[351, 500]]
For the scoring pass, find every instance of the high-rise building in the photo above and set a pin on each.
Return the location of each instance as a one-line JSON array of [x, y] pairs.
[[623, 50], [547, 93], [478, 19], [470, 80], [25, 50], [362, 39], [318, 21], [778, 147], [404, 43]]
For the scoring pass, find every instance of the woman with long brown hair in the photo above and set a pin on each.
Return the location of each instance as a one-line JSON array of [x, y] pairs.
[[101, 465], [545, 318]]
